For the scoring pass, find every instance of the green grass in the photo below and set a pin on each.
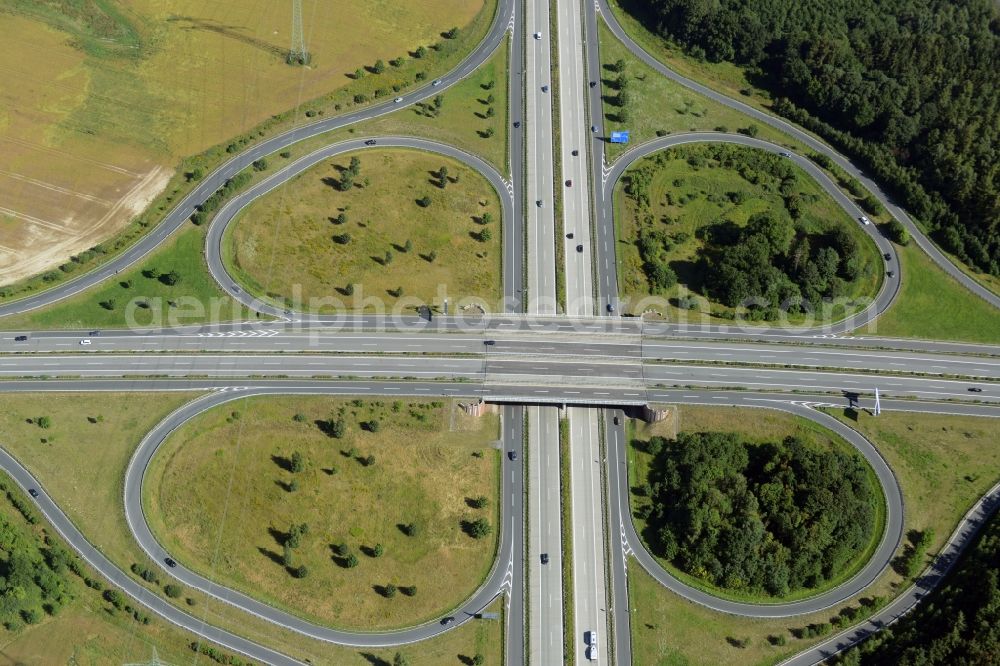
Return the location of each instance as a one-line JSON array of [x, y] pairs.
[[566, 517], [661, 105], [758, 426], [81, 466], [282, 245], [218, 498], [931, 304], [705, 193], [196, 296], [932, 457]]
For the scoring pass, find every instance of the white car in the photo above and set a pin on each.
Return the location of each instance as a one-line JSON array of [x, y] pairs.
[[398, 100], [436, 83], [538, 35], [85, 341], [864, 220]]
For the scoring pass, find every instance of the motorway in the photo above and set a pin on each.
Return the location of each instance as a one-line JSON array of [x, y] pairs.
[[541, 360]]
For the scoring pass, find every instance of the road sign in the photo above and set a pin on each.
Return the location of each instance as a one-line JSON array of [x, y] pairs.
[[619, 137]]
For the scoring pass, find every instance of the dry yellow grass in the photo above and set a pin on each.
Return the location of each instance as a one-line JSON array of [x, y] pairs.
[[218, 496], [88, 137]]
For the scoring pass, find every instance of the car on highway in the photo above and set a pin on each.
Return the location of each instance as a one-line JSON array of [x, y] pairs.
[[512, 455], [611, 307], [32, 492], [94, 333], [517, 123], [593, 128], [489, 343], [447, 620], [398, 100], [975, 389], [591, 653], [569, 183], [579, 248], [890, 274], [545, 88], [21, 338], [537, 35], [785, 154], [617, 421], [370, 142], [864, 220], [545, 558], [437, 82], [539, 203], [85, 342], [569, 235], [575, 152], [593, 83], [887, 256], [169, 561], [590, 637]]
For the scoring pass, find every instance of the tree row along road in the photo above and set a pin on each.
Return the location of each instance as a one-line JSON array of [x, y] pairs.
[[512, 492], [921, 239]]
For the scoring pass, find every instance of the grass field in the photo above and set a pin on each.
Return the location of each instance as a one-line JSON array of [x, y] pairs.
[[400, 253], [122, 96], [755, 425], [236, 536], [933, 305], [695, 197], [81, 465], [931, 455], [661, 105]]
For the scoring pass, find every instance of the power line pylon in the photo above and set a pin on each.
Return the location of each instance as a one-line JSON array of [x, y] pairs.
[[297, 54]]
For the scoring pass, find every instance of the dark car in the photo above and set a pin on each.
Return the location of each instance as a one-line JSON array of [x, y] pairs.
[[887, 256], [579, 248], [370, 142], [447, 620], [891, 274], [569, 183], [975, 389], [170, 562], [617, 421], [539, 203], [32, 492], [545, 88], [611, 307], [545, 558], [517, 123], [95, 333], [21, 338], [575, 152], [489, 343], [593, 83], [512, 455], [569, 235]]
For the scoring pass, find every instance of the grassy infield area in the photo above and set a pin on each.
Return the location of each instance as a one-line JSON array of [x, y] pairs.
[[80, 460], [943, 464]]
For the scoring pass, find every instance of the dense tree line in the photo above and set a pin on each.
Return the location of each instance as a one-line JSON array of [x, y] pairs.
[[33, 578], [958, 625], [769, 517], [909, 89]]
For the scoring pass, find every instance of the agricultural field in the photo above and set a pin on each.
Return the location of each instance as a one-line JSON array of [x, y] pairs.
[[943, 463], [94, 131], [701, 228], [398, 233], [387, 491]]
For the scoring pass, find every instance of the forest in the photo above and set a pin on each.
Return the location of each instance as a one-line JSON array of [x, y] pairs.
[[769, 517], [33, 578], [910, 90], [956, 625]]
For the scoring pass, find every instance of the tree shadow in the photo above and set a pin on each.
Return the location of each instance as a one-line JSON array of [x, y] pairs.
[[287, 487], [367, 551], [374, 660], [271, 555], [378, 260], [282, 462], [279, 536], [426, 257], [471, 503]]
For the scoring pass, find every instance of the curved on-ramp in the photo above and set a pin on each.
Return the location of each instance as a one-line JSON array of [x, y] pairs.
[[889, 288], [891, 537], [808, 139], [135, 476], [186, 207], [512, 241]]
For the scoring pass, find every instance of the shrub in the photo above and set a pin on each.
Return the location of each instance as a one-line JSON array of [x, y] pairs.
[[479, 528], [260, 165], [297, 462], [173, 591], [389, 591], [378, 550]]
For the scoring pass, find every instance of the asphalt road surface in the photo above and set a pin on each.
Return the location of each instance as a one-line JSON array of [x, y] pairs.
[[179, 215], [925, 244]]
